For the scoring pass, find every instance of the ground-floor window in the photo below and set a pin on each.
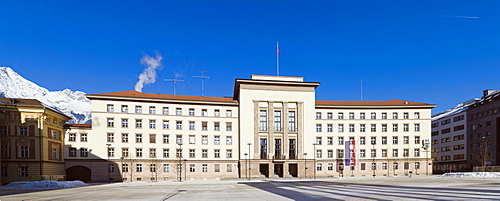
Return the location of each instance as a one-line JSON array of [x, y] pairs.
[[318, 166], [23, 171]]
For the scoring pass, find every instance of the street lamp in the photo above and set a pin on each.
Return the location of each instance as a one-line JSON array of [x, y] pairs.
[[246, 164], [305, 165], [109, 181], [249, 168], [179, 168], [121, 161], [373, 162], [315, 165]]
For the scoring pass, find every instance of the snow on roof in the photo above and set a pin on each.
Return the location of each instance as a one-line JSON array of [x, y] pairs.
[[44, 184], [457, 109]]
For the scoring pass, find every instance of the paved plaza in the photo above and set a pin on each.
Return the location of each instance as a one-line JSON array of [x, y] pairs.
[[379, 188]]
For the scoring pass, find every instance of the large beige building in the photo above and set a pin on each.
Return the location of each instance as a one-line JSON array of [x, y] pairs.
[[272, 127]]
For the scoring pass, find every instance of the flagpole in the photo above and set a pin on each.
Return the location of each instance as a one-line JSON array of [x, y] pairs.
[[277, 59]]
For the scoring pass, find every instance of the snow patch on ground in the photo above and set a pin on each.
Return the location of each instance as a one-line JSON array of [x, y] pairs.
[[44, 184], [472, 174]]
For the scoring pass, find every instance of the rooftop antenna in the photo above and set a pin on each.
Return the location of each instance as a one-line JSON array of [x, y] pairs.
[[174, 81], [361, 89], [202, 82]]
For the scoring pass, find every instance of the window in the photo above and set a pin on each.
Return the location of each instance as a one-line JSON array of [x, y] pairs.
[[111, 108], [23, 151], [72, 137], [191, 112], [329, 115], [204, 168], [263, 120], [229, 153], [329, 128], [216, 126], [178, 111], [417, 165], [138, 123], [138, 138], [395, 140], [191, 125], [166, 167], [373, 140], [178, 125], [362, 140], [406, 152], [3, 130], [125, 137], [277, 120], [417, 139], [138, 167], [204, 153], [405, 115], [405, 127], [416, 115], [138, 109], [395, 127], [124, 108], [216, 139], [406, 140], [362, 115], [417, 152], [318, 166], [318, 140], [340, 153], [341, 115], [330, 153], [384, 152], [384, 140], [351, 115], [217, 113], [229, 126], [384, 166], [374, 166], [362, 153], [395, 165], [394, 115], [166, 153], [373, 127], [192, 168], [351, 127], [373, 115], [341, 140], [384, 115], [395, 153], [204, 126], [152, 123], [165, 110], [111, 122], [71, 152], [229, 113], [165, 124], [318, 127], [384, 127], [373, 153], [318, 115], [341, 128], [152, 167], [124, 152], [417, 127], [84, 152], [192, 139], [291, 121], [217, 153], [229, 140], [124, 123], [124, 167], [178, 139], [361, 128], [192, 153], [329, 140], [23, 171], [204, 139], [111, 152], [111, 137], [138, 152], [204, 112]]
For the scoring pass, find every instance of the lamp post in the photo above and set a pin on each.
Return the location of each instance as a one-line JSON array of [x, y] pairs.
[[246, 164], [185, 169], [249, 168], [305, 165], [425, 146], [314, 165], [373, 161], [179, 168], [108, 145], [121, 161]]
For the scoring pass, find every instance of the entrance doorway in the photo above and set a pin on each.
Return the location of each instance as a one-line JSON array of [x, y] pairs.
[[264, 170], [78, 173], [278, 170], [293, 169]]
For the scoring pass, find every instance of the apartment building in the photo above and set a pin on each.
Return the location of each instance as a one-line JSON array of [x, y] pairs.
[[272, 127], [31, 141], [449, 142]]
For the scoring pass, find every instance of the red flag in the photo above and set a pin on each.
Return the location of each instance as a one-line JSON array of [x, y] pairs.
[[277, 49]]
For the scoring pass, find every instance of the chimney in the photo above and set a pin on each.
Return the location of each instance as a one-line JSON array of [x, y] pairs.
[[487, 92]]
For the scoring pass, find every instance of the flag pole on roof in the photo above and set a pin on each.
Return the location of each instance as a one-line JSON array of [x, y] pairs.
[[277, 59]]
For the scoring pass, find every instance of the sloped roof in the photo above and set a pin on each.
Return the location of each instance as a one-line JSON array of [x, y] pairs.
[[20, 102], [393, 102], [79, 125], [136, 94]]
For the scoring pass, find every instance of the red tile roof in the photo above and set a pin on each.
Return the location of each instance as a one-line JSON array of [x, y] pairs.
[[392, 102], [20, 102], [136, 94], [79, 125]]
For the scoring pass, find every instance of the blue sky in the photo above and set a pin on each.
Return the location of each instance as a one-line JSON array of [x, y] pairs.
[[439, 52]]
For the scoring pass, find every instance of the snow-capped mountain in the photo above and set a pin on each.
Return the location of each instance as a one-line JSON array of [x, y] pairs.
[[71, 103]]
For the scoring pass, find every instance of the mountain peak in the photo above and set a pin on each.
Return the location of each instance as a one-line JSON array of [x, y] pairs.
[[71, 103]]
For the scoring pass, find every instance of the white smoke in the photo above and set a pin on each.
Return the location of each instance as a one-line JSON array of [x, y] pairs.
[[148, 76]]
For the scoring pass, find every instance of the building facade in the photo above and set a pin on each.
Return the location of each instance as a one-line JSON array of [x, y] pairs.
[[32, 143], [272, 127]]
